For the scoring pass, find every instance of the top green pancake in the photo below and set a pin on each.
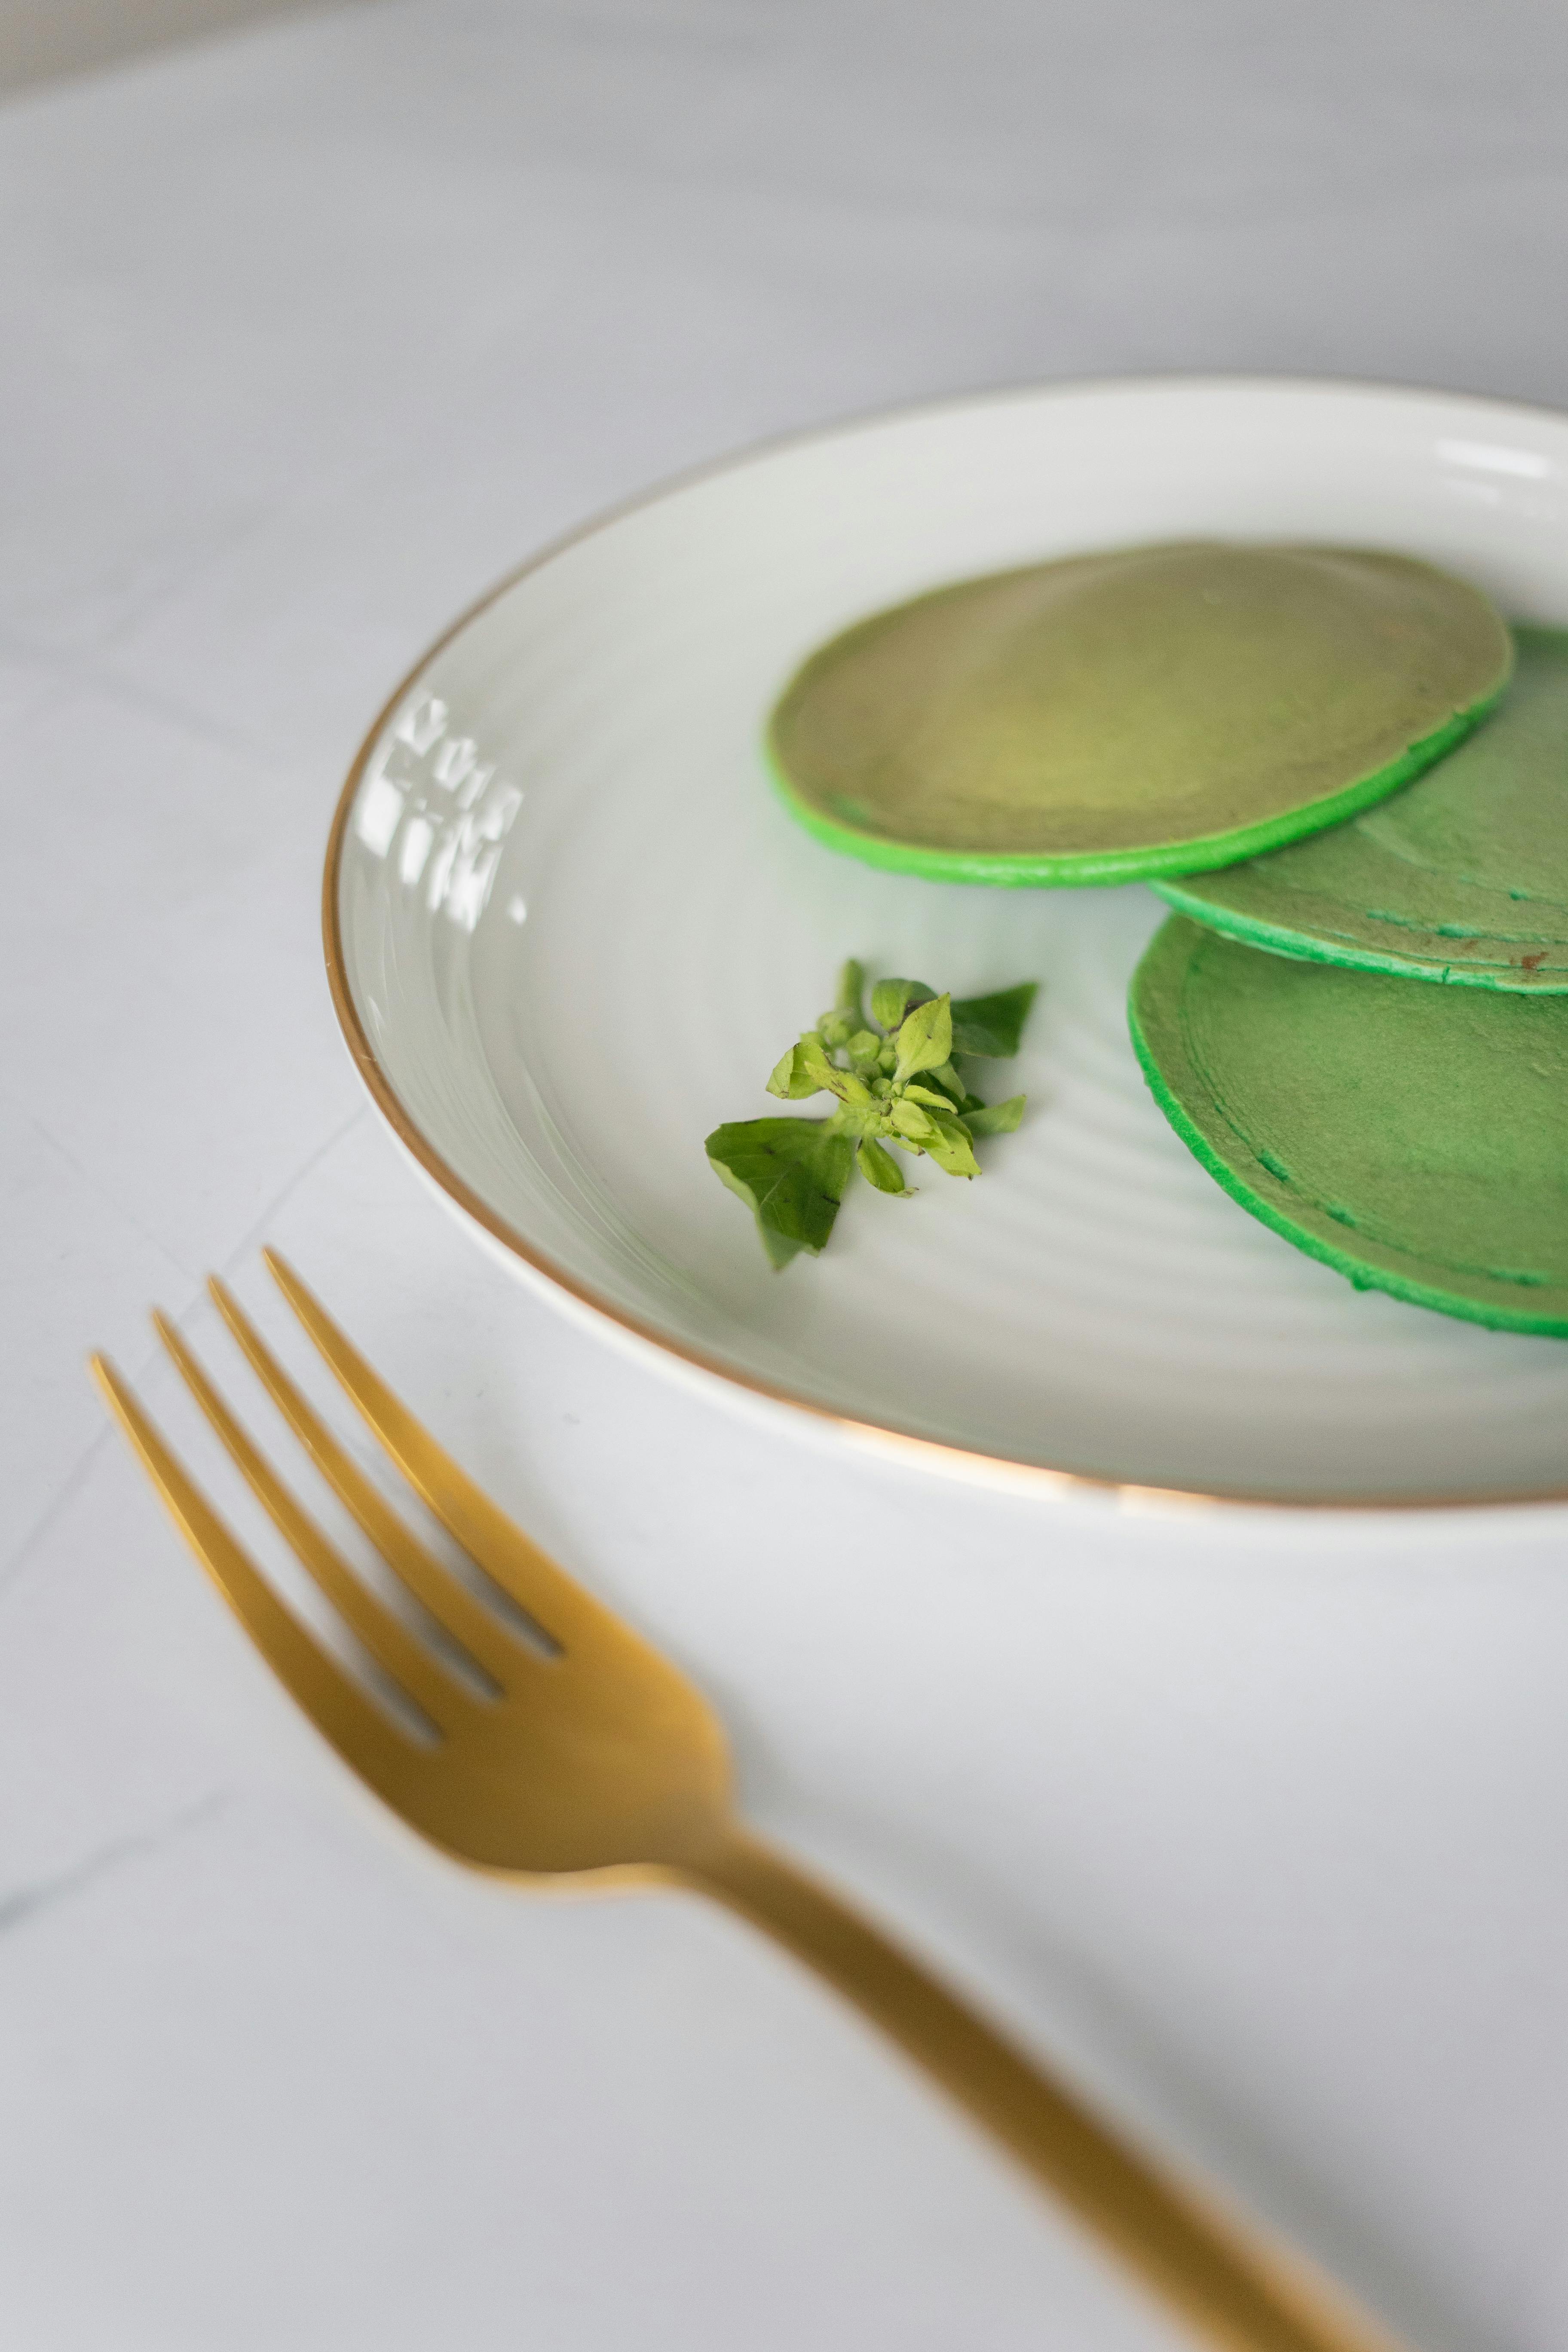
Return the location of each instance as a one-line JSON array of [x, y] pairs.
[[1150, 710], [1416, 1138], [1462, 876]]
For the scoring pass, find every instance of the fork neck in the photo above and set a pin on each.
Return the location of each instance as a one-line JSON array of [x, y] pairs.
[[1234, 2292]]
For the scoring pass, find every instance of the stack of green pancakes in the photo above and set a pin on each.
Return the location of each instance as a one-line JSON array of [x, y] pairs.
[[1350, 780]]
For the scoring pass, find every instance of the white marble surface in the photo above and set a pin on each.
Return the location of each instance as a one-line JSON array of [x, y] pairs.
[[1258, 1823]]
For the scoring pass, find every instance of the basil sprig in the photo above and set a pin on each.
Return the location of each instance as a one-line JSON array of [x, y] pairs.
[[893, 1073]]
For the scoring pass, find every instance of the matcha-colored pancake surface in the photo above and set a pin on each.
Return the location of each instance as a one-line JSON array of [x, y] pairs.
[[1150, 710], [1416, 1138], [1463, 876]]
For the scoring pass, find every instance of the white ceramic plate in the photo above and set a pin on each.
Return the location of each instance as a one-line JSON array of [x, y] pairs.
[[570, 930]]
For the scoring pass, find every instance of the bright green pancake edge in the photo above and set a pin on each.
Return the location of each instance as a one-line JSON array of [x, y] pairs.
[[1035, 870], [1435, 963], [1167, 958], [1302, 947]]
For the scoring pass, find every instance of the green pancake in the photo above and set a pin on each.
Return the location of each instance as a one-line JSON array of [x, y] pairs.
[[1150, 710], [1414, 1139], [1462, 876]]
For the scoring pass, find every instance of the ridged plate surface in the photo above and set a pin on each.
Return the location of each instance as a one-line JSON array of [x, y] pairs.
[[570, 930]]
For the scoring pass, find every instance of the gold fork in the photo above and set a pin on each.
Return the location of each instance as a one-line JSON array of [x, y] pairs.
[[589, 1757]]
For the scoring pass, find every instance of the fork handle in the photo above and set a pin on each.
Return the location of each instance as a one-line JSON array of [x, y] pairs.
[[1234, 2293]]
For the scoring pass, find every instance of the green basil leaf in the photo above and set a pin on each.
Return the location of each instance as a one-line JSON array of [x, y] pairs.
[[1002, 1119], [791, 1079], [948, 1079], [851, 989], [925, 1038], [856, 1120], [949, 1145], [910, 1121], [889, 1002], [925, 1095], [993, 1025], [790, 1172], [881, 1168], [891, 999], [823, 1073]]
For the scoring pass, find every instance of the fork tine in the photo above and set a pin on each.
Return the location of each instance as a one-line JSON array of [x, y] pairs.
[[389, 1641], [499, 1653], [367, 1742], [560, 1606]]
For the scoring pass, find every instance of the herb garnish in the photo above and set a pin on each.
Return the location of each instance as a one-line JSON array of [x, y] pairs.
[[895, 1082]]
